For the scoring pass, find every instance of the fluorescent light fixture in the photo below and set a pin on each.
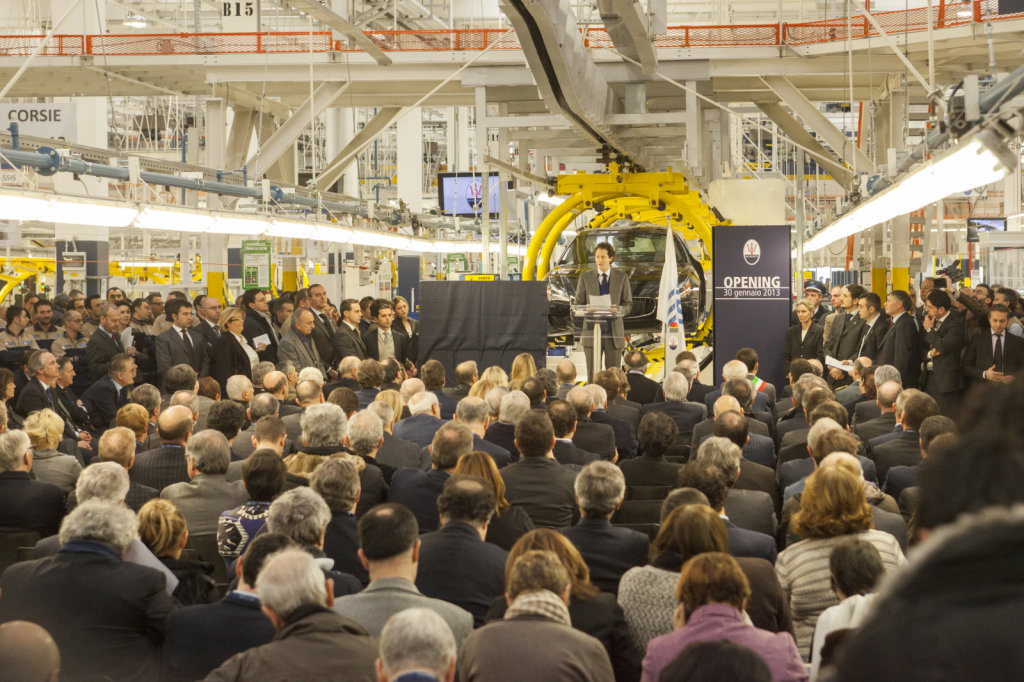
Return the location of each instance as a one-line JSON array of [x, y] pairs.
[[330, 233], [134, 21], [14, 207], [145, 264], [383, 240], [291, 229], [248, 226], [977, 161], [110, 214], [152, 218]]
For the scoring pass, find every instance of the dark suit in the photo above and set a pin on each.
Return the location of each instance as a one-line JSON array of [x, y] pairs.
[[899, 478], [341, 543], [397, 453], [98, 352], [799, 469], [456, 565], [685, 415], [227, 358], [810, 347], [567, 452], [419, 429], [873, 428], [323, 339], [609, 551], [348, 341], [171, 350], [398, 339], [447, 404], [503, 435], [753, 476], [161, 467], [644, 470], [743, 542], [625, 435], [642, 389], [106, 615], [28, 505], [904, 450], [901, 349], [872, 337], [751, 509], [613, 336], [944, 380], [866, 411], [103, 399], [200, 638], [139, 495], [978, 356], [760, 450], [706, 427], [698, 391], [258, 325], [500, 455], [595, 437], [366, 396], [762, 403], [418, 490], [845, 337], [626, 413], [544, 488], [209, 333], [33, 397]]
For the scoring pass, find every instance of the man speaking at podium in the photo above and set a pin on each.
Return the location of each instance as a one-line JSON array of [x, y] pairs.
[[605, 281]]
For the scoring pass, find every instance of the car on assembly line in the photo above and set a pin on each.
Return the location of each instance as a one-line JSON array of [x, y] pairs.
[[640, 253]]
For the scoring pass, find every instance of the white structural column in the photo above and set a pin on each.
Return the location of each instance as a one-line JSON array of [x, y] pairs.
[[410, 159], [340, 131], [482, 168]]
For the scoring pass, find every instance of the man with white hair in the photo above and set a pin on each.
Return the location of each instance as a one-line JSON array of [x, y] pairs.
[[312, 641], [208, 492], [736, 369], [685, 415], [303, 515], [868, 409], [625, 437], [416, 644], [589, 435], [473, 413], [26, 505], [424, 422], [61, 593], [307, 393], [239, 389], [513, 406], [407, 390], [364, 434]]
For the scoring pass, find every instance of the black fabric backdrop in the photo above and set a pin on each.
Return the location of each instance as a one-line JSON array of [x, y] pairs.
[[490, 322]]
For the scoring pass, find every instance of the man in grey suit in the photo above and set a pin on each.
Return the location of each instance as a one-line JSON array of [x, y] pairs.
[[202, 499], [389, 549], [297, 347], [180, 345], [604, 281]]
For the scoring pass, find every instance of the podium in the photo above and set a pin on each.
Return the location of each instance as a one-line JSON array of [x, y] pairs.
[[597, 317]]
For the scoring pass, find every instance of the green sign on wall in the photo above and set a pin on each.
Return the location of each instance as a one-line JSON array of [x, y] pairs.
[[255, 264]]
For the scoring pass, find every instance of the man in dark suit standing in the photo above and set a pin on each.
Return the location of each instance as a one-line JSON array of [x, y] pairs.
[[323, 325], [180, 345], [641, 389], [258, 324], [876, 325], [842, 337], [348, 339], [200, 638], [537, 482], [605, 281], [384, 341], [901, 345], [994, 354], [208, 310], [942, 330], [466, 505], [105, 397], [609, 551], [160, 467], [105, 343]]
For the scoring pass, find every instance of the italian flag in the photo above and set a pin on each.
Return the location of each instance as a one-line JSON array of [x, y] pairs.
[[759, 384]]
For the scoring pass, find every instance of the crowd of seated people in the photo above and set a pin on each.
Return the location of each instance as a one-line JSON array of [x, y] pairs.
[[326, 508]]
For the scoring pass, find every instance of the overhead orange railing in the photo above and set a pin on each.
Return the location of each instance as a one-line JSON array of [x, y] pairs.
[[942, 15]]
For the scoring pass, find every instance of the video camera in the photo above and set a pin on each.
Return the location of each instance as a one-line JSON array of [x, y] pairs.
[[953, 272]]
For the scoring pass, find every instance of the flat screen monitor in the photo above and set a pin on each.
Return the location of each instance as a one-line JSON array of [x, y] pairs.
[[987, 224], [461, 194]]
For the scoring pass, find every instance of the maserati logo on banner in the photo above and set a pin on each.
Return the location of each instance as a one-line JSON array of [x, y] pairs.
[[751, 252]]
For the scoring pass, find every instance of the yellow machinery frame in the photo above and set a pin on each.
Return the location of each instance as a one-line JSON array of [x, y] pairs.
[[649, 197]]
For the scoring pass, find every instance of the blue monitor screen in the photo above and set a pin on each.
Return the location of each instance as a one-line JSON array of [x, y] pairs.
[[461, 194]]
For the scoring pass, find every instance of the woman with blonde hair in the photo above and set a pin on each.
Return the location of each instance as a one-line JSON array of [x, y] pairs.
[[45, 429], [833, 507], [394, 399], [494, 374], [804, 339], [162, 528], [508, 523], [523, 367], [480, 389], [590, 610], [135, 417]]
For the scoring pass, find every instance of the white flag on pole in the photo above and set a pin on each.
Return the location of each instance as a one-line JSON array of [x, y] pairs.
[[670, 312]]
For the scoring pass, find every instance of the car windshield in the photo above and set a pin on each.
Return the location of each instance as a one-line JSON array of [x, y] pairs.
[[632, 247]]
